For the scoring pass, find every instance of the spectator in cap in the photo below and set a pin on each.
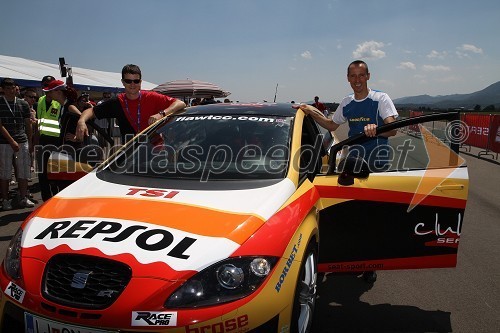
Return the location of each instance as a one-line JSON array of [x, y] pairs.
[[67, 97], [52, 85], [48, 130], [47, 79], [15, 141]]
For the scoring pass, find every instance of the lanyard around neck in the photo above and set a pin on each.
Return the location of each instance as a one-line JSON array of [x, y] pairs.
[[138, 111], [8, 105]]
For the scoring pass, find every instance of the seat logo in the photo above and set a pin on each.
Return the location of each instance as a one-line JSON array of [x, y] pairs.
[[80, 279]]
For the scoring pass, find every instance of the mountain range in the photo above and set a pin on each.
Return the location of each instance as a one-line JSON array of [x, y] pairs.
[[486, 97]]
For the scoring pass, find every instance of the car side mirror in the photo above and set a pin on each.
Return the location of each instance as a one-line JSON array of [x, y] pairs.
[[352, 167]]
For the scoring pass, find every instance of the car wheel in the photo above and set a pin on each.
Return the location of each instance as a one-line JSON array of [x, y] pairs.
[[305, 292]]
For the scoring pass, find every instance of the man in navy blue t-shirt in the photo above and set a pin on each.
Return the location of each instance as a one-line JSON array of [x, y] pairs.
[[365, 109]]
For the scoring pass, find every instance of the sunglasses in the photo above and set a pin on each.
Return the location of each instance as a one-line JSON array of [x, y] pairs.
[[129, 81]]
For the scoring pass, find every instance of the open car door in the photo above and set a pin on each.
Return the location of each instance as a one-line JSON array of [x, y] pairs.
[[408, 214]]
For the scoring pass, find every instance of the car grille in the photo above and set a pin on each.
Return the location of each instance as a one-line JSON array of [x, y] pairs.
[[84, 281]]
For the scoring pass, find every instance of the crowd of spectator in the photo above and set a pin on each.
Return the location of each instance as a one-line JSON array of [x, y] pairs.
[[32, 123]]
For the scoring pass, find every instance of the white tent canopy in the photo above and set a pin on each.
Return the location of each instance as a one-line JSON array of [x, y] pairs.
[[29, 73]]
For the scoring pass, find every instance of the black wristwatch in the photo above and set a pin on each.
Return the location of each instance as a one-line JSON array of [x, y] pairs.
[[162, 113]]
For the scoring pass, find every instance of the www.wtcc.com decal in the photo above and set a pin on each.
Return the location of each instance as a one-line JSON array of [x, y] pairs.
[[220, 117], [154, 318], [147, 242], [16, 292]]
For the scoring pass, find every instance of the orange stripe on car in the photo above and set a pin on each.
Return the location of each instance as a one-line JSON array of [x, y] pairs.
[[198, 220], [385, 196]]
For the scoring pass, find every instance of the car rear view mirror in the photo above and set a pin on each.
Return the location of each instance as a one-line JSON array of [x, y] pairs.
[[352, 167]]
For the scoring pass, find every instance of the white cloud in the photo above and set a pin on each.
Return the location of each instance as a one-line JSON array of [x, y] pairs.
[[439, 68], [407, 65], [470, 48], [306, 55], [369, 50], [435, 54], [465, 50]]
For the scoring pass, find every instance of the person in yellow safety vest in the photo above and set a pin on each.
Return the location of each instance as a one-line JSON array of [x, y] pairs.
[[48, 120], [48, 115]]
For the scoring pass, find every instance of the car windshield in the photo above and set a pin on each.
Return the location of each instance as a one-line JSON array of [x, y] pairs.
[[210, 147]]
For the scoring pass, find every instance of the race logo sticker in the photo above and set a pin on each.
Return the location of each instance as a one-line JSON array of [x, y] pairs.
[[288, 264], [152, 318], [16, 292]]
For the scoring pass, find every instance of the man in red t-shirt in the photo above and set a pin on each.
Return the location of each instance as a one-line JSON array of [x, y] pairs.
[[134, 110], [320, 106]]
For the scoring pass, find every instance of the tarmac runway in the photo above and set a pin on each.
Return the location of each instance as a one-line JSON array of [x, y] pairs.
[[464, 299]]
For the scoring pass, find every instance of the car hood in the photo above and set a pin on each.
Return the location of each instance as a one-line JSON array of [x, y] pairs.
[[186, 230]]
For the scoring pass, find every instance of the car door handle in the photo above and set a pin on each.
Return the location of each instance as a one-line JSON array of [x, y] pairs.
[[450, 187]]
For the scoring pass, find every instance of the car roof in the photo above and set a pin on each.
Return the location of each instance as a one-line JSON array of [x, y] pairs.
[[260, 109]]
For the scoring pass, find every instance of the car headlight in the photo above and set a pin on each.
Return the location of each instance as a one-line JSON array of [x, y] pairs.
[[223, 282], [12, 261]]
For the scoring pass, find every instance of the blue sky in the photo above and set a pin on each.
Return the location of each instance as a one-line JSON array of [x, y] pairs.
[[412, 47]]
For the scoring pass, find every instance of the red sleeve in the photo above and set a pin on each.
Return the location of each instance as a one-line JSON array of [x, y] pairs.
[[160, 101]]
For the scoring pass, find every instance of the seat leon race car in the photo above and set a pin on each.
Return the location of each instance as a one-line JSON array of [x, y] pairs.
[[219, 218]]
